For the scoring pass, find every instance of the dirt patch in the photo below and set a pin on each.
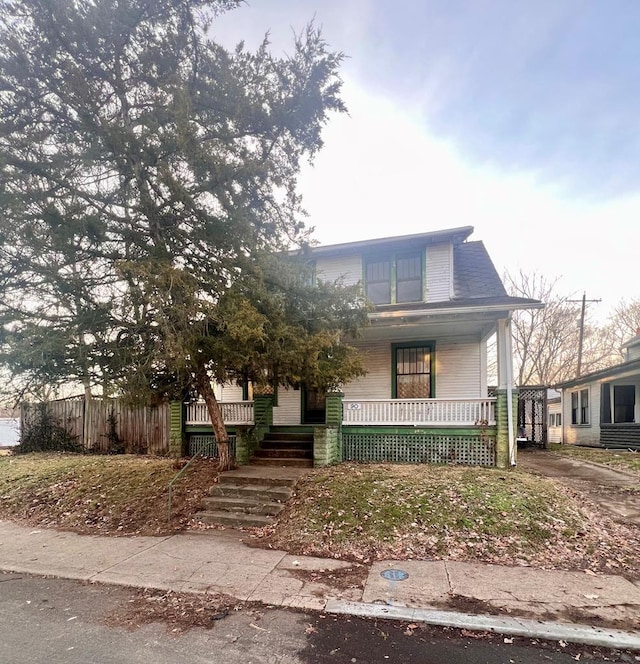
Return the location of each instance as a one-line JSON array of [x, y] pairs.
[[179, 611], [343, 578], [342, 640], [579, 616], [468, 605], [570, 614]]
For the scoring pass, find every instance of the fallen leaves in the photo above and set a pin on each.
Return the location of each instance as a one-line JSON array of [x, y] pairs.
[[111, 495], [179, 611], [434, 512]]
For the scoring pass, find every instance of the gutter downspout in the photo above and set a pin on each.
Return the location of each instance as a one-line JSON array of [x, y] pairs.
[[510, 423]]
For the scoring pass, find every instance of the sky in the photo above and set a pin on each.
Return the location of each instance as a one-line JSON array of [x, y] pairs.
[[521, 119]]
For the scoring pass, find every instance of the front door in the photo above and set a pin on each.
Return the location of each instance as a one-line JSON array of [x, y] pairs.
[[313, 406]]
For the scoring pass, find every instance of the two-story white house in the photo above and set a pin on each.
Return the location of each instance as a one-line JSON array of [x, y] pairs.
[[438, 300]]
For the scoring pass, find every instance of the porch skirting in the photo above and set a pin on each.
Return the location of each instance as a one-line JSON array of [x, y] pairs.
[[411, 445], [620, 436], [206, 445]]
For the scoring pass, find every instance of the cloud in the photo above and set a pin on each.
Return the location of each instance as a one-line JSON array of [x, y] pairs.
[[382, 173], [533, 85], [530, 85], [519, 118]]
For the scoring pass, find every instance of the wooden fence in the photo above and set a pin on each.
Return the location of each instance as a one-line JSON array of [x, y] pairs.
[[104, 425]]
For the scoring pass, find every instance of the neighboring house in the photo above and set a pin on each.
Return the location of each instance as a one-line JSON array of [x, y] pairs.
[[554, 417], [603, 407], [438, 299]]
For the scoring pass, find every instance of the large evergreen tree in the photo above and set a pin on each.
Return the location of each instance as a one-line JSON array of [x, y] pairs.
[[147, 187]]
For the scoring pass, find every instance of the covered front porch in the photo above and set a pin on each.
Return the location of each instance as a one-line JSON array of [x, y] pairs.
[[460, 431], [371, 412], [424, 399]]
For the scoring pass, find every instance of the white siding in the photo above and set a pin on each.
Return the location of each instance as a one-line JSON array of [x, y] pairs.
[[228, 392], [457, 367], [439, 272], [347, 267], [377, 383], [584, 434], [288, 410], [458, 370], [554, 433]]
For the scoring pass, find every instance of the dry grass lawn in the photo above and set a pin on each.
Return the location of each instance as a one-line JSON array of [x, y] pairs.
[[100, 494], [369, 512], [354, 512]]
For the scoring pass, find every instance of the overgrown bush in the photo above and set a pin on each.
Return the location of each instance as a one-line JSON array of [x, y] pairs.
[[46, 433], [115, 444]]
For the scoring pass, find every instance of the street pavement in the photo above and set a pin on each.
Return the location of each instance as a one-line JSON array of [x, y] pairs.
[[44, 620], [510, 600]]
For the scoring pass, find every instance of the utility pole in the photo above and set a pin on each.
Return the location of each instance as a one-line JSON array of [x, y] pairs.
[[581, 341]]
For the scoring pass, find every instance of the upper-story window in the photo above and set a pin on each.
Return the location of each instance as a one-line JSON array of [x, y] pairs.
[[378, 281], [394, 279]]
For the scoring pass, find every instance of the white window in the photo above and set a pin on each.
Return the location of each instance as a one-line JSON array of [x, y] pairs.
[[580, 407], [394, 279]]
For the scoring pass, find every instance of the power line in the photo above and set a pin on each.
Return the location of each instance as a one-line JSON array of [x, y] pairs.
[[584, 306]]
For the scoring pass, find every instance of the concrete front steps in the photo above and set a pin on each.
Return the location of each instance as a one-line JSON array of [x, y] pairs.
[[249, 496], [285, 447]]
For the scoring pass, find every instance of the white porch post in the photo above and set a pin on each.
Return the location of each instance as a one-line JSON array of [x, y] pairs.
[[506, 426]]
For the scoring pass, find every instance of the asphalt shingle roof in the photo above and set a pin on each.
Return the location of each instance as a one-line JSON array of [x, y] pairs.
[[474, 275]]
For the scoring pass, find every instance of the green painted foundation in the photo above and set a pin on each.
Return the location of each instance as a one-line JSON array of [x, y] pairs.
[[502, 426], [327, 446], [177, 437]]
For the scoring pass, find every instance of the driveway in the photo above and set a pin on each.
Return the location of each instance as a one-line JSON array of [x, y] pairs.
[[616, 492]]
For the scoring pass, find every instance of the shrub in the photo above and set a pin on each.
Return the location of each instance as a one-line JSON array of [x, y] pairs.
[[43, 432]]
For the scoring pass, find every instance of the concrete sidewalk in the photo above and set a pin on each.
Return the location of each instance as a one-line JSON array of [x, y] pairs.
[[606, 487], [518, 600]]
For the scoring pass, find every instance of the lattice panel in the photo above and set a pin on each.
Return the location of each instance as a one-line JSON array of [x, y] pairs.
[[207, 446], [394, 448]]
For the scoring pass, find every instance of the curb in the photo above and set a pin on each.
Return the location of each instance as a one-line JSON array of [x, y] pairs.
[[553, 631]]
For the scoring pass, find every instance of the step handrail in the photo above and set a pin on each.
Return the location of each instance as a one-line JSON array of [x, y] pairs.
[[175, 479]]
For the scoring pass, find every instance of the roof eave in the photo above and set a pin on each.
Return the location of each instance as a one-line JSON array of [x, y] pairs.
[[461, 233], [599, 375], [465, 309]]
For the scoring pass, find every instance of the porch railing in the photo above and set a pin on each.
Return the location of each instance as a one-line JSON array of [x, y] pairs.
[[233, 412], [461, 412]]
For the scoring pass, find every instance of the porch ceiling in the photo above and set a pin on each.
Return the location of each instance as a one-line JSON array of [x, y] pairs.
[[433, 326]]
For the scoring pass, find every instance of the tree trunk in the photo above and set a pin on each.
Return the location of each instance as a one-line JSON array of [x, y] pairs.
[[225, 460], [87, 442]]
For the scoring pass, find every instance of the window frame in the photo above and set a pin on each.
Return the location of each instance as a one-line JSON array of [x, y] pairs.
[[392, 258], [585, 410], [431, 344], [581, 407], [379, 259], [617, 403]]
